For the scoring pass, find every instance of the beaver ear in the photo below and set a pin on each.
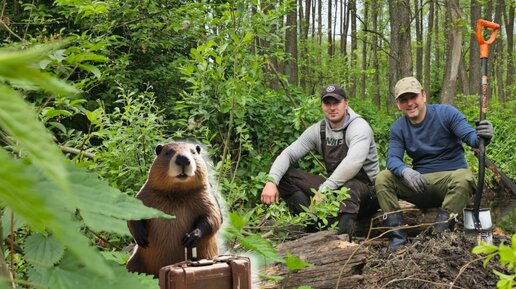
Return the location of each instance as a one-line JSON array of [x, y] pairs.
[[198, 149], [158, 149]]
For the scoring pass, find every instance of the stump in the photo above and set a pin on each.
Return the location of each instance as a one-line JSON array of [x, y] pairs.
[[331, 256]]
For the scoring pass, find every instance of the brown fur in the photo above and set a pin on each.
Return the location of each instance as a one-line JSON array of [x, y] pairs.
[[186, 199]]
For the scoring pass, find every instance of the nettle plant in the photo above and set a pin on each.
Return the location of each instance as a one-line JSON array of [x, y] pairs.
[[507, 258]]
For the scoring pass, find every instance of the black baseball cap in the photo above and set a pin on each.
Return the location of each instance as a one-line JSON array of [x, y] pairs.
[[335, 91]]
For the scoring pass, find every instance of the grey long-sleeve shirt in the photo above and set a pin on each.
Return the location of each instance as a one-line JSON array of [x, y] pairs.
[[359, 138]]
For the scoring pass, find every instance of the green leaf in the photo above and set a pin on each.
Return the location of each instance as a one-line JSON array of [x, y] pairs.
[[484, 249], [6, 223], [261, 246], [295, 263], [18, 119], [16, 190], [96, 196], [88, 56], [102, 223], [20, 65], [236, 220], [70, 274], [91, 68], [43, 250]]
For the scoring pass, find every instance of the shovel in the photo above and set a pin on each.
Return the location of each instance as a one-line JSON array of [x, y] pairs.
[[478, 219]]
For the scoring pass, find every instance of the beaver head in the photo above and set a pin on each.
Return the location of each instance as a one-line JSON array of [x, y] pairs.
[[178, 166]]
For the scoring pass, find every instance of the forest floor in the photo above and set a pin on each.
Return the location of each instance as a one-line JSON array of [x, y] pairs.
[[431, 261]]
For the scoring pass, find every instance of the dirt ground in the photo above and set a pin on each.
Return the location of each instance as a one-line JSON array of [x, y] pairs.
[[431, 261]]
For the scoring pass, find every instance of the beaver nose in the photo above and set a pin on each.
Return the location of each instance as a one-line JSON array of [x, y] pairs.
[[181, 160]]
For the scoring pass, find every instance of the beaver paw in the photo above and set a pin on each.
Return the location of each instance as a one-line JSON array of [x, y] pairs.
[[191, 239]]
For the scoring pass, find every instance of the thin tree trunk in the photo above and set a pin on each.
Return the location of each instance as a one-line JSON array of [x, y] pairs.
[[393, 58], [364, 53], [437, 42], [509, 29], [376, 77], [419, 39], [319, 22], [345, 29], [463, 77], [474, 50], [330, 34], [291, 46], [354, 47], [454, 54], [428, 48], [498, 56]]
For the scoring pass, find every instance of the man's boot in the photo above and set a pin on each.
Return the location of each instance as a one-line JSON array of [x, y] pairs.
[[347, 224], [443, 221], [397, 237]]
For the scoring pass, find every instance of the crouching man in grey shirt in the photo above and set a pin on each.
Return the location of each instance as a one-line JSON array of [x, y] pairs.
[[346, 142]]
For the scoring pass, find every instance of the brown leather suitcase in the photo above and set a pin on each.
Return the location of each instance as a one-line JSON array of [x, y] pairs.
[[223, 272]]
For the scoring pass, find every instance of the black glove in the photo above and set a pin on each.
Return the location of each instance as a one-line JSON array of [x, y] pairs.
[[485, 130], [415, 180]]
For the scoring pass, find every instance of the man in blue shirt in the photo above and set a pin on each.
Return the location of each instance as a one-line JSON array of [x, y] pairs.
[[432, 136]]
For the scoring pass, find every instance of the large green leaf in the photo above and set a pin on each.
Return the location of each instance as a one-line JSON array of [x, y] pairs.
[[261, 246], [6, 222], [19, 120], [70, 274], [19, 66], [16, 190], [43, 250]]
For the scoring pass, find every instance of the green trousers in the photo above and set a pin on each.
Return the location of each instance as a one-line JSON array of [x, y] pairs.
[[450, 190]]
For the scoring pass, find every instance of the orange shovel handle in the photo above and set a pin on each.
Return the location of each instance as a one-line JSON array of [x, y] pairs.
[[484, 45]]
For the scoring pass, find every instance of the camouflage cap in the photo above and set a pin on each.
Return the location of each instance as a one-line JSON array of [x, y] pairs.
[[406, 85]]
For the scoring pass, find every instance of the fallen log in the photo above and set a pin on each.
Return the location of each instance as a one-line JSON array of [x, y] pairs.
[[334, 260]]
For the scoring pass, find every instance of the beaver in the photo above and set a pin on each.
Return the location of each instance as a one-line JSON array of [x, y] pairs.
[[178, 185]]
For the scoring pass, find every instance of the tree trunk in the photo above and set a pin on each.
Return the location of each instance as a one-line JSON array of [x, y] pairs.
[[291, 46], [328, 253], [354, 46], [463, 77], [437, 42], [497, 54], [474, 50], [454, 54], [401, 48], [345, 27], [330, 34], [419, 39], [319, 23], [428, 48], [376, 77], [509, 28], [404, 40], [393, 58], [364, 53]]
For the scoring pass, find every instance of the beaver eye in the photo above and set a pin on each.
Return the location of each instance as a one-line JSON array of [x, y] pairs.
[[169, 152]]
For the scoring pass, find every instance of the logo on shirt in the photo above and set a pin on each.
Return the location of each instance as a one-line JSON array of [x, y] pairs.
[[334, 142]]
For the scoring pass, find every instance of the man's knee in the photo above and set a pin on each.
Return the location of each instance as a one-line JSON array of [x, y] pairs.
[[384, 181], [462, 180]]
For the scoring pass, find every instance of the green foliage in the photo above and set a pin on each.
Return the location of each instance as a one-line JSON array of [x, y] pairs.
[[49, 193], [327, 206], [127, 136], [507, 255]]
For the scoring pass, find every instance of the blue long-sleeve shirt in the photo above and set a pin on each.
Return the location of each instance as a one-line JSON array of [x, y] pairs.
[[435, 144]]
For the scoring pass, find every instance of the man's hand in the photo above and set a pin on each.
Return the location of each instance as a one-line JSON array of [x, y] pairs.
[[270, 193], [485, 130], [414, 180]]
